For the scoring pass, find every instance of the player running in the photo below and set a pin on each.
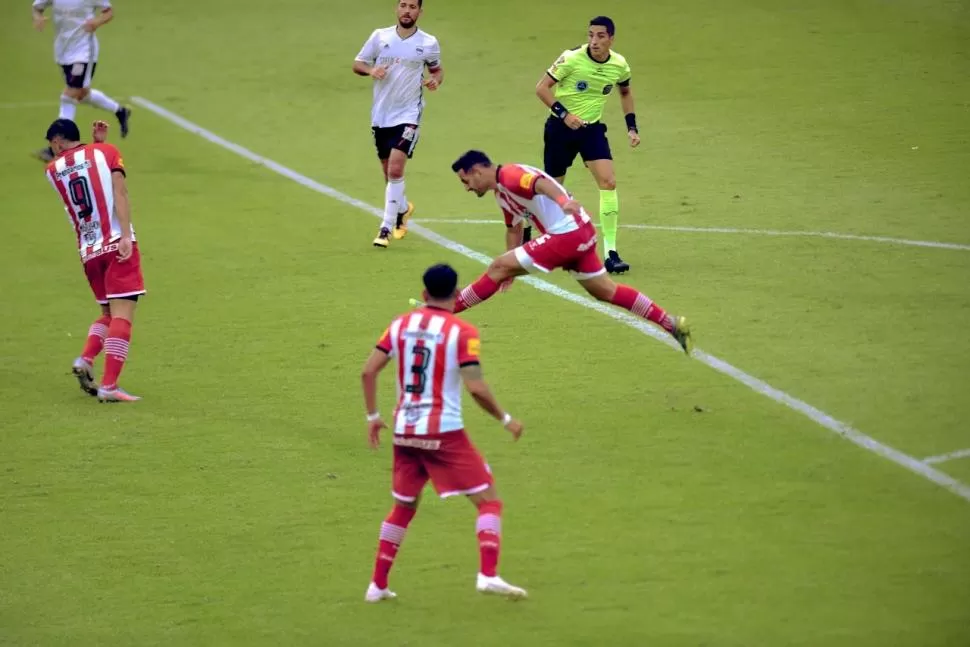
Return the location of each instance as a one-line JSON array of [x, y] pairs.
[[76, 51], [436, 352], [576, 88], [395, 57], [90, 178], [568, 240]]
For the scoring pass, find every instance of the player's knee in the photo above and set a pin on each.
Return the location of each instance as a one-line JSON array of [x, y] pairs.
[[77, 94], [608, 183], [395, 169]]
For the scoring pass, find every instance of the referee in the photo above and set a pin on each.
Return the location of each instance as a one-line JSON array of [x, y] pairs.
[[576, 88]]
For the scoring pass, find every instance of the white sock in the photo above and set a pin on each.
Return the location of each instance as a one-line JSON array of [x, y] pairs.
[[68, 108], [404, 203], [99, 99], [392, 201]]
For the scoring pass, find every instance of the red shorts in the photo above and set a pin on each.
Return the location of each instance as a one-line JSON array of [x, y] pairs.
[[574, 252], [449, 460], [111, 279]]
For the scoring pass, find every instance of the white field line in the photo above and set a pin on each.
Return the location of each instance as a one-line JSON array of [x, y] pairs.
[[942, 458], [825, 420], [729, 230]]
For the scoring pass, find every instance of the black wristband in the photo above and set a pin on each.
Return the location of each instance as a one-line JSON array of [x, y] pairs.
[[559, 110], [631, 122]]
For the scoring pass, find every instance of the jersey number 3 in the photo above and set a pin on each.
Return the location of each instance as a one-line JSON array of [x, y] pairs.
[[422, 357]]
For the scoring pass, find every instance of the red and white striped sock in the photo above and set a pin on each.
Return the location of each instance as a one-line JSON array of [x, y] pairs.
[[489, 530], [96, 334], [641, 305], [475, 293], [115, 351], [393, 529]]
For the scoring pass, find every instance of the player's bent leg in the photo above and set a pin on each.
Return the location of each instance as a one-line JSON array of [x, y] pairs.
[[83, 367], [501, 269], [609, 205], [488, 528], [603, 288], [116, 349], [393, 530], [404, 208]]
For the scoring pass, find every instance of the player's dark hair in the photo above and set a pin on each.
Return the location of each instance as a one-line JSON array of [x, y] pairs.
[[440, 281], [604, 21], [469, 160], [64, 128]]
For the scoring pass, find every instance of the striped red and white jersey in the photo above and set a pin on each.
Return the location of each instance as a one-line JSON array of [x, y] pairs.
[[82, 177], [431, 346], [519, 201]]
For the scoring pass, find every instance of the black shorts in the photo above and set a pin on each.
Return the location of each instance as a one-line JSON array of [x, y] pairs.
[[563, 144], [74, 74], [403, 137]]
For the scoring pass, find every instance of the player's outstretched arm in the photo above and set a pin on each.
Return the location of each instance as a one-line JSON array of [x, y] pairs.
[[368, 378], [471, 375]]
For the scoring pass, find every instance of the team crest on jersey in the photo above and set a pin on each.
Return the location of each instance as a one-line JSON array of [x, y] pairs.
[[527, 180], [419, 50], [582, 85]]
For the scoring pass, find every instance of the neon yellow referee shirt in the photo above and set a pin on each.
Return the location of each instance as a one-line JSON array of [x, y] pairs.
[[584, 84]]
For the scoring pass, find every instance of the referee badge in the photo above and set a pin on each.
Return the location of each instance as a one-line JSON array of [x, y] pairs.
[[582, 85]]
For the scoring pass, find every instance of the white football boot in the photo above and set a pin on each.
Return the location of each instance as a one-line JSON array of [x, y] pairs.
[[375, 594], [497, 586]]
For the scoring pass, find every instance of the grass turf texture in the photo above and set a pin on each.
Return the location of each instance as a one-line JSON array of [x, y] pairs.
[[237, 504]]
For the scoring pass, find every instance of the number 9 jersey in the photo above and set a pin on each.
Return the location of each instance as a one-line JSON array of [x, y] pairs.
[[431, 346], [82, 177]]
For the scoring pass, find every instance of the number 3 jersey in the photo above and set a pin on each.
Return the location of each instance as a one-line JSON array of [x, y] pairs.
[[82, 177], [431, 346]]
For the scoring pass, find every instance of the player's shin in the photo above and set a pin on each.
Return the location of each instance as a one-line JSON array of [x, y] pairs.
[[95, 340], [115, 351], [609, 218], [99, 99], [392, 536], [641, 305], [482, 289], [393, 202], [489, 531], [68, 108]]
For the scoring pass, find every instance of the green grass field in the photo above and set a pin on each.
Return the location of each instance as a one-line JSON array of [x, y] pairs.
[[238, 504]]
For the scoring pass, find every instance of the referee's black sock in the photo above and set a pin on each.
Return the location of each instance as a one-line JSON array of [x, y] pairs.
[[526, 235]]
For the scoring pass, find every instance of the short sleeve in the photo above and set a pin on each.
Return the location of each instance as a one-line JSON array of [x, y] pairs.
[[385, 344], [372, 47], [625, 77], [518, 180], [115, 162], [469, 346], [562, 67], [432, 55]]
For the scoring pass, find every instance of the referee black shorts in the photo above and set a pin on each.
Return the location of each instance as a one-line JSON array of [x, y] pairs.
[[563, 144]]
